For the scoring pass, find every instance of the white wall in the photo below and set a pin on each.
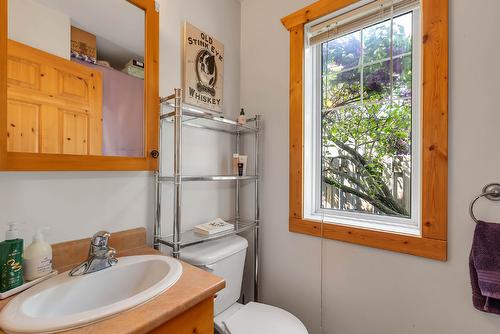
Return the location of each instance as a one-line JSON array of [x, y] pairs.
[[290, 264], [219, 18], [39, 26], [204, 151], [76, 205], [367, 290]]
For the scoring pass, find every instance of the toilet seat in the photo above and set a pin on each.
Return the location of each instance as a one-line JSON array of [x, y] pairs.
[[259, 318]]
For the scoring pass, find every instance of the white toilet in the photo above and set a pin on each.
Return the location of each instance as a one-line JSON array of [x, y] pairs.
[[226, 258]]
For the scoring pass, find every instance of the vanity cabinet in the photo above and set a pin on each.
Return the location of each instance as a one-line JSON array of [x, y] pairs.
[[197, 320]]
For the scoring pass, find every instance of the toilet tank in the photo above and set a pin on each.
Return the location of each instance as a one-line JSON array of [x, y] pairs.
[[223, 257]]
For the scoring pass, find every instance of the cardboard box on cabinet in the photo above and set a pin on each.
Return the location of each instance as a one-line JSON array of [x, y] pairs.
[[83, 45]]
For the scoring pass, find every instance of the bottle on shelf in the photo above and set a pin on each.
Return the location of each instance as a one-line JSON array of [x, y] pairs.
[[242, 118], [235, 163]]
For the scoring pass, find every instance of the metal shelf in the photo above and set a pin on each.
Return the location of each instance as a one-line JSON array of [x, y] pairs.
[[190, 237], [205, 178], [198, 118], [181, 115]]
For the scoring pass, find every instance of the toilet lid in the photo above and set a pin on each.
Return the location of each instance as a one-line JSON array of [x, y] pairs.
[[263, 319]]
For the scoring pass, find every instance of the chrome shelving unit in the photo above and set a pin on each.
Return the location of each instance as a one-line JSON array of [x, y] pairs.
[[188, 178], [190, 237], [183, 115]]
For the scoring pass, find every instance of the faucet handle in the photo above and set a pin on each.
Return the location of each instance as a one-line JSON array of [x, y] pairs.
[[110, 255], [100, 239]]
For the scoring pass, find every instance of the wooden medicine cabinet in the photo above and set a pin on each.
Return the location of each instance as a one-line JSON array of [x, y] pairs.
[[78, 90]]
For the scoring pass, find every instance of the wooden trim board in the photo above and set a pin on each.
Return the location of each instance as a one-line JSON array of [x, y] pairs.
[[433, 242], [296, 121], [435, 119], [3, 84], [314, 11], [424, 247]]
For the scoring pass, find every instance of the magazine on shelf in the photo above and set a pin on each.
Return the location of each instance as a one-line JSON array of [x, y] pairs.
[[212, 227]]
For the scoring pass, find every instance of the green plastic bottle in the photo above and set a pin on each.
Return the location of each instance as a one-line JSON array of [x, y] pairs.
[[11, 260]]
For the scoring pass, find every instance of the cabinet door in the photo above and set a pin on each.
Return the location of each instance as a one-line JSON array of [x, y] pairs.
[[199, 319], [22, 126], [23, 73], [75, 133], [59, 101]]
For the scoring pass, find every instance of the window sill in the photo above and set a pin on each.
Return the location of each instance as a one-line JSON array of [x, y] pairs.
[[377, 223], [409, 244]]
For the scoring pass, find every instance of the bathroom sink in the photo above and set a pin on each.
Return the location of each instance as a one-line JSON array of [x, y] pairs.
[[65, 302]]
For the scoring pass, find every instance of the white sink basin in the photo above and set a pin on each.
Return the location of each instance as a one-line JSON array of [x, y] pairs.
[[65, 302]]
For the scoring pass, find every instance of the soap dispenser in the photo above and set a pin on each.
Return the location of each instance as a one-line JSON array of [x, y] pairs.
[[11, 259], [37, 257]]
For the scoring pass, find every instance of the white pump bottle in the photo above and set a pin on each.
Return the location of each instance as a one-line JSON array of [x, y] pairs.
[[37, 257]]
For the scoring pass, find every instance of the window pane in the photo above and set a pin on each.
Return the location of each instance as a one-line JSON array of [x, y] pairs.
[[366, 143], [377, 81], [402, 77], [345, 51], [341, 77], [366, 155], [402, 32], [377, 42], [341, 88]]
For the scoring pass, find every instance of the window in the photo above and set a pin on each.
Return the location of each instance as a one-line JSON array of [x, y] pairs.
[[363, 103], [368, 123]]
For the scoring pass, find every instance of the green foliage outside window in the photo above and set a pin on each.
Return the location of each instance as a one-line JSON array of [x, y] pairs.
[[366, 119]]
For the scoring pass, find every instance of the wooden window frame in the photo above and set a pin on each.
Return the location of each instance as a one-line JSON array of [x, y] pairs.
[[434, 142], [16, 161]]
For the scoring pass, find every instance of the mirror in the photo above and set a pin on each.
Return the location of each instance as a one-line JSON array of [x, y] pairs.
[[76, 79]]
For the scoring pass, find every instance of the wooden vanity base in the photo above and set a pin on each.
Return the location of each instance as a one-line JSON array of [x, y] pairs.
[[197, 320]]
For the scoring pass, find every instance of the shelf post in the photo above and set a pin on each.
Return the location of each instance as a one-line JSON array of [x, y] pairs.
[[177, 172], [256, 274], [157, 212], [158, 189], [237, 188]]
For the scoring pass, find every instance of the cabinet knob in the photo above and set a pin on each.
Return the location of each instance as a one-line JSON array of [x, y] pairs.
[[155, 154]]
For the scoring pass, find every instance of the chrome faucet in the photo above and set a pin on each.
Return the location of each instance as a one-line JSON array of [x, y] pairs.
[[100, 256]]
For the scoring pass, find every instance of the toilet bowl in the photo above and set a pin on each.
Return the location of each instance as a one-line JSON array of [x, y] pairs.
[[254, 318], [225, 257]]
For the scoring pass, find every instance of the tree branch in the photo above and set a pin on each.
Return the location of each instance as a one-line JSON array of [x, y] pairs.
[[367, 198], [350, 178]]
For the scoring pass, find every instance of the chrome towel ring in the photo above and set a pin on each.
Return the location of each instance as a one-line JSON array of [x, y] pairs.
[[490, 191]]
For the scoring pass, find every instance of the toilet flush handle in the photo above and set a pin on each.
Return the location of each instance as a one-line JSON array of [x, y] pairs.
[[207, 267]]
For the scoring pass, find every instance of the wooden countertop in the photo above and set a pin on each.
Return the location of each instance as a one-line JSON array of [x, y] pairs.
[[194, 286]]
